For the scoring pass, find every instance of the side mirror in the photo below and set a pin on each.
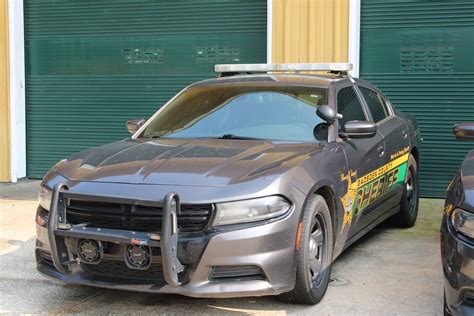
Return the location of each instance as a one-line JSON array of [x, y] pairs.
[[327, 113], [359, 129], [134, 125], [464, 131]]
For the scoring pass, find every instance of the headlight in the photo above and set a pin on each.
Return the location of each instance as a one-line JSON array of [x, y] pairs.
[[250, 210], [44, 198], [463, 222]]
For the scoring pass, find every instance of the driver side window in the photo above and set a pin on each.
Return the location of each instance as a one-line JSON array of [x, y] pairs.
[[349, 106]]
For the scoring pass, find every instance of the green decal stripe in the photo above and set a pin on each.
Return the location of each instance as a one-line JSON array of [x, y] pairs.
[[369, 192]]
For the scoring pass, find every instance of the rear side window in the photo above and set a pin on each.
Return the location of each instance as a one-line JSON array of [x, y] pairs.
[[349, 106], [374, 101]]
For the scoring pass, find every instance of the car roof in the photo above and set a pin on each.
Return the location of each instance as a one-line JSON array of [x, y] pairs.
[[285, 79]]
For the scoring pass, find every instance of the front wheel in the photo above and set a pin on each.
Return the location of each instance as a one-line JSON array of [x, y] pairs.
[[409, 203], [314, 254], [446, 311]]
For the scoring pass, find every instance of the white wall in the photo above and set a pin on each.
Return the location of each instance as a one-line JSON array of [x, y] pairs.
[[17, 89], [354, 36], [269, 30]]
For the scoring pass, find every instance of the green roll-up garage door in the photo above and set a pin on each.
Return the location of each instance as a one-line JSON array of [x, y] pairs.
[[421, 54], [93, 64]]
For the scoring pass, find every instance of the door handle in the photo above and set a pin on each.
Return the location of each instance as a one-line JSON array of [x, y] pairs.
[[405, 134], [381, 151]]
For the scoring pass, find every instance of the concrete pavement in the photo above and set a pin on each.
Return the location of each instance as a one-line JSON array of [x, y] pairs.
[[391, 271]]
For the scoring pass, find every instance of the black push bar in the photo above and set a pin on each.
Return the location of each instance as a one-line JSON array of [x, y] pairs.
[[167, 239], [58, 247]]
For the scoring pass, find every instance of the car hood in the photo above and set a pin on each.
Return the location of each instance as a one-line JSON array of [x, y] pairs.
[[197, 162]]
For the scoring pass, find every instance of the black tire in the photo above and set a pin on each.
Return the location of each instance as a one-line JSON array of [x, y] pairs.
[[446, 311], [314, 255], [410, 199]]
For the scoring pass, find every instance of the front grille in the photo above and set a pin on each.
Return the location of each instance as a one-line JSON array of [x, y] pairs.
[[236, 273], [118, 269], [193, 218]]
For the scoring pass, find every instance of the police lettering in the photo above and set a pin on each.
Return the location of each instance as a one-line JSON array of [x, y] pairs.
[[370, 192]]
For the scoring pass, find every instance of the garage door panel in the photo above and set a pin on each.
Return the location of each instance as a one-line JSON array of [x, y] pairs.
[[142, 55], [408, 51], [67, 114], [92, 65], [420, 54], [64, 18]]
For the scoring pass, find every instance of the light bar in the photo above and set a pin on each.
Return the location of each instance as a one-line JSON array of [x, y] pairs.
[[282, 67]]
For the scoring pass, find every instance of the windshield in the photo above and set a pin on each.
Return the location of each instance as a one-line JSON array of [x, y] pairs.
[[270, 112]]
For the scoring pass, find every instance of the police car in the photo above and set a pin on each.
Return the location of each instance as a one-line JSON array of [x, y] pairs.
[[248, 184], [457, 234]]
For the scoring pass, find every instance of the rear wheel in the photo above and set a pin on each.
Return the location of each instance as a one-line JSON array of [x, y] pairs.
[[409, 203], [314, 255]]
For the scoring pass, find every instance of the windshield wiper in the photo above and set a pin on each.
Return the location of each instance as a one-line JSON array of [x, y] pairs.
[[232, 136]]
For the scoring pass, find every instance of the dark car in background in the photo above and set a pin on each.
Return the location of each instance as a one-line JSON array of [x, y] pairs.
[[457, 234], [245, 185]]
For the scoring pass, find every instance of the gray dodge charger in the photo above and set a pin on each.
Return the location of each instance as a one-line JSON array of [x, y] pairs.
[[249, 184]]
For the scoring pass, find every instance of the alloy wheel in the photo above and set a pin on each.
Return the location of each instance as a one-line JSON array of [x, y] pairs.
[[317, 249], [411, 188]]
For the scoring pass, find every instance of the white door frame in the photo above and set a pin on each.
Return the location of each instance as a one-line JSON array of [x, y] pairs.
[[354, 36], [269, 30], [17, 90]]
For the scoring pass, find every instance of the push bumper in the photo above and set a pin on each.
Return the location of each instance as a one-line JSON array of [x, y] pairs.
[[267, 247], [457, 254]]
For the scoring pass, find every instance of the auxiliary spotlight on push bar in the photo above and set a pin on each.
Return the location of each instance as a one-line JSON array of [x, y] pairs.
[[266, 68]]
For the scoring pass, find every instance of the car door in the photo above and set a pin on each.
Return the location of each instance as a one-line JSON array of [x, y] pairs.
[[395, 133], [365, 157]]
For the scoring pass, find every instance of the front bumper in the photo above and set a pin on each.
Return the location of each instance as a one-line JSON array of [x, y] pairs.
[[269, 247], [457, 254]]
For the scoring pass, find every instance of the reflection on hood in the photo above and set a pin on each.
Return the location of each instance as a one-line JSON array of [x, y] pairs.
[[202, 162]]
